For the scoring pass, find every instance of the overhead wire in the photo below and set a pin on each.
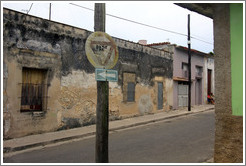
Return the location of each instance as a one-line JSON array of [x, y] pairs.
[[150, 26], [29, 9]]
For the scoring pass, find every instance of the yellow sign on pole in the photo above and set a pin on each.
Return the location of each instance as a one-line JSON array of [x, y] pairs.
[[101, 50]]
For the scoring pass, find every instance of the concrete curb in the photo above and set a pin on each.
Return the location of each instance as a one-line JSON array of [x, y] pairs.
[[91, 131], [157, 120], [24, 147]]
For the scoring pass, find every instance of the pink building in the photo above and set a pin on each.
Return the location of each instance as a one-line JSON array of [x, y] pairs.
[[201, 75]]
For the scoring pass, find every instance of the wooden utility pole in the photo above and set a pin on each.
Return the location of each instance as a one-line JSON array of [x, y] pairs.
[[189, 65], [102, 97], [50, 12]]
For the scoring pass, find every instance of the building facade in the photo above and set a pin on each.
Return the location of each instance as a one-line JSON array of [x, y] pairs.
[[202, 74], [49, 84], [229, 105]]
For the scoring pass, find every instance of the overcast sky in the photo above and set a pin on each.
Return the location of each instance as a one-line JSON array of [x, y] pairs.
[[161, 14]]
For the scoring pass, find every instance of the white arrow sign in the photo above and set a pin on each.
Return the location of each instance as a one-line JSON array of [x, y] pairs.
[[106, 75]]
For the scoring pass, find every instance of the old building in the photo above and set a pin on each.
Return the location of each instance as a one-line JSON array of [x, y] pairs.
[[201, 65], [228, 48], [49, 84]]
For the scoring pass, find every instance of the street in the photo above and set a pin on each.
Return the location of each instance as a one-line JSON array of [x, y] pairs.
[[186, 139]]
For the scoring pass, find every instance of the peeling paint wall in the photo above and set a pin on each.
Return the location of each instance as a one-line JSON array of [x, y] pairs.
[[31, 42]]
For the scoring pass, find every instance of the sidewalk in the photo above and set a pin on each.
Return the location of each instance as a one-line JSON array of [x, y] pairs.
[[18, 144]]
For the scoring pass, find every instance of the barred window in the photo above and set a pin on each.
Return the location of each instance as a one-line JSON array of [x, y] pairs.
[[34, 89]]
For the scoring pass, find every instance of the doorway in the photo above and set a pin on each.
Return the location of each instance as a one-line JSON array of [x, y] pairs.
[[182, 94]]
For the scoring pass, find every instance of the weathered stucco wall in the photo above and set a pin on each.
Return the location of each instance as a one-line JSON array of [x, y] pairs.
[[21, 123], [60, 49], [229, 128]]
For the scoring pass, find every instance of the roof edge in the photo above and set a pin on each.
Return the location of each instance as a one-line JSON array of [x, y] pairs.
[[205, 9]]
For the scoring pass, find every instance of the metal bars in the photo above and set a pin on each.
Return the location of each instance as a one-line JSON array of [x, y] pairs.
[[33, 90], [32, 97]]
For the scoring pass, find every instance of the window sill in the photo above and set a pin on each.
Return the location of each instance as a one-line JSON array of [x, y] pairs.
[[129, 102]]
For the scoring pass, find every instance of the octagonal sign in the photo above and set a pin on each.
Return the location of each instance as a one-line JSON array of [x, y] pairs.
[[101, 50]]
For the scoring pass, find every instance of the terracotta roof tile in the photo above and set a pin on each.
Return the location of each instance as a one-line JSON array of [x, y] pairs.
[[158, 44]]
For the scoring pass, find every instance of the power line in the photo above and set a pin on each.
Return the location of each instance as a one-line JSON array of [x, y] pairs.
[[81, 6], [201, 40], [29, 9], [131, 21], [50, 12], [150, 26]]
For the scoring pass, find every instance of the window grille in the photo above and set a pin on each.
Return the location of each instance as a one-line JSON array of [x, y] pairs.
[[33, 90]]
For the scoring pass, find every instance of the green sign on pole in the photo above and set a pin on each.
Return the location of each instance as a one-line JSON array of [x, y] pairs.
[[106, 75]]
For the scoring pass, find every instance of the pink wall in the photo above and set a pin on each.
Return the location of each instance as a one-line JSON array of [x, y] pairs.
[[196, 60]]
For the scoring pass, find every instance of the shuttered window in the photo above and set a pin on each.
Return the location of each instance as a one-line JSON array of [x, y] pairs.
[[130, 91], [160, 95], [33, 90]]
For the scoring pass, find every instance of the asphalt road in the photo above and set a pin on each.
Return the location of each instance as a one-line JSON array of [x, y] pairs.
[[188, 139]]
